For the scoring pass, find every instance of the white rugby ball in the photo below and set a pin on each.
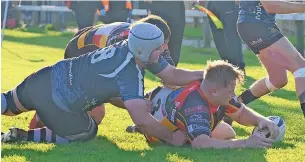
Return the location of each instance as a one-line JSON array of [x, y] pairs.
[[265, 131]]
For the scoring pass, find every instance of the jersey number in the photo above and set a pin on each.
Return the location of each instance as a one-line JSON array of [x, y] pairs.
[[102, 54]]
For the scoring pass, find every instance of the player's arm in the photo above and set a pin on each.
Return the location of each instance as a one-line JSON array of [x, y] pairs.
[[205, 141], [242, 114], [131, 92], [283, 7], [199, 132], [256, 141], [137, 109], [179, 77], [173, 76], [118, 102], [248, 117], [201, 138]]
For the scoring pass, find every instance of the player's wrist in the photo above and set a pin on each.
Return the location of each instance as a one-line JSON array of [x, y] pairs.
[[171, 138], [244, 143]]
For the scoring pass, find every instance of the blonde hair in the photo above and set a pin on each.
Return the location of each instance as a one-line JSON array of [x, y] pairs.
[[222, 73]]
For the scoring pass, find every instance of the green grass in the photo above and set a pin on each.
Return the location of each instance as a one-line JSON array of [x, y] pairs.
[[193, 33], [197, 33], [24, 53]]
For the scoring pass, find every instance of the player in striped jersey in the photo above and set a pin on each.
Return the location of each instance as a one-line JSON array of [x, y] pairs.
[[195, 110]]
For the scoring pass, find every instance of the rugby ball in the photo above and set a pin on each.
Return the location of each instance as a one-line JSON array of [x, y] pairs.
[[265, 131]]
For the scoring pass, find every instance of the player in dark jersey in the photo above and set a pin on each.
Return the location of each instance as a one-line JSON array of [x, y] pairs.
[[100, 36], [195, 110], [63, 93], [257, 28]]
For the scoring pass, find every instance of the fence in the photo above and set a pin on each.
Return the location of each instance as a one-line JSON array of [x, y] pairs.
[[192, 16]]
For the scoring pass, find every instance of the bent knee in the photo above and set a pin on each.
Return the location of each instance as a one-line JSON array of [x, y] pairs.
[[88, 134], [223, 131], [98, 114], [279, 82]]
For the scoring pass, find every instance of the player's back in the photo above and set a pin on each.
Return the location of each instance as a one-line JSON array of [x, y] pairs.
[[94, 37], [178, 109], [90, 80]]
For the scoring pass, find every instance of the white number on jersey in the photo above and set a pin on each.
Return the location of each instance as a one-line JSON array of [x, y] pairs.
[[102, 54]]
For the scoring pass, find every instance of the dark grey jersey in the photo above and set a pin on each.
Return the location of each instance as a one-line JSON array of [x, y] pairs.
[[81, 83]]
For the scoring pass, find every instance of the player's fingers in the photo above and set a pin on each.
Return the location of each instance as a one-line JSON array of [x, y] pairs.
[[274, 130], [264, 144], [266, 140], [149, 105]]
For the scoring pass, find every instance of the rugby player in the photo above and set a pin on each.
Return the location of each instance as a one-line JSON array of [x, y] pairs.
[[257, 27], [63, 93], [195, 110], [100, 36]]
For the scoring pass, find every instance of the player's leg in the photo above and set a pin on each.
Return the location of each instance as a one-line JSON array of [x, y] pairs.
[[276, 79], [262, 37], [98, 113], [223, 131], [284, 54], [36, 122], [275, 49], [81, 127], [74, 49], [43, 134], [69, 125], [62, 126], [17, 100]]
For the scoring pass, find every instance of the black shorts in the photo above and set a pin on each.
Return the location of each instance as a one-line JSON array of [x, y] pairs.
[[259, 36], [35, 93]]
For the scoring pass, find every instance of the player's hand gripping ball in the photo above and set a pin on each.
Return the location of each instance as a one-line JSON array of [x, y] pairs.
[[265, 131]]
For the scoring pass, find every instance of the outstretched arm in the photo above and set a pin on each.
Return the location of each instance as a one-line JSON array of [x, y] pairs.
[[204, 141], [245, 116], [179, 77]]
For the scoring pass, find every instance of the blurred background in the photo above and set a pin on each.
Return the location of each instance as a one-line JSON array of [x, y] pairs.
[[70, 16]]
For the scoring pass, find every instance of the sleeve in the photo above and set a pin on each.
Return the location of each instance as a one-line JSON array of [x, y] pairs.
[[233, 106], [167, 57], [196, 120], [156, 68], [130, 84]]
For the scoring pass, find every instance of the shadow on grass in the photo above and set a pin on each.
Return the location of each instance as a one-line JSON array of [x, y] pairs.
[[283, 145], [203, 54], [53, 41], [20, 57], [101, 149]]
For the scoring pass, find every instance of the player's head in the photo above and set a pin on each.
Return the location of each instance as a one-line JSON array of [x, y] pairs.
[[163, 26], [160, 23], [220, 78], [145, 42]]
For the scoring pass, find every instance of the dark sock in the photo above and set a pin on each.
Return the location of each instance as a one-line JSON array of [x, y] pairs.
[[247, 97]]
